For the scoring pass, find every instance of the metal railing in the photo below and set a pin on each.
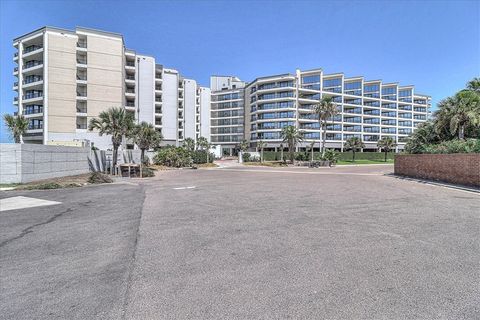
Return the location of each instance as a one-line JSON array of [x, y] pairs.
[[32, 48]]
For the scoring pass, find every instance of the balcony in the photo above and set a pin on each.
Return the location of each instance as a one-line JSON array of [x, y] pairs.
[[32, 79], [15, 85], [15, 70], [32, 48], [158, 88], [81, 110], [82, 44], [81, 126], [33, 95], [129, 78], [15, 100], [81, 95], [82, 62], [32, 64], [130, 64], [35, 126], [31, 110]]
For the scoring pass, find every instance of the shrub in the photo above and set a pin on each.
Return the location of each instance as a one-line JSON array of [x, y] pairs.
[[147, 172], [246, 157], [97, 177], [173, 157], [330, 155], [44, 186], [454, 146], [200, 156]]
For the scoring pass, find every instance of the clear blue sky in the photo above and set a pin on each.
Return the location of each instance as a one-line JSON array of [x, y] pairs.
[[434, 45]]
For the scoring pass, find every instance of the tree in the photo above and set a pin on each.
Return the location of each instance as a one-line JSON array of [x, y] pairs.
[[291, 136], [115, 122], [244, 145], [386, 144], [325, 110], [203, 144], [311, 148], [354, 144], [17, 125], [145, 137], [474, 85], [260, 146], [459, 112], [189, 144]]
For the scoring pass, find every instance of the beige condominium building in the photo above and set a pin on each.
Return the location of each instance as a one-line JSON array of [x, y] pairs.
[[65, 78]]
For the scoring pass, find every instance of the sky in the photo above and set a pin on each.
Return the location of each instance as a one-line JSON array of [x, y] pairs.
[[434, 45]]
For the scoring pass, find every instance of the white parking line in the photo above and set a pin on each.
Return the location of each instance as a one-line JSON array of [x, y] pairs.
[[20, 202], [183, 188]]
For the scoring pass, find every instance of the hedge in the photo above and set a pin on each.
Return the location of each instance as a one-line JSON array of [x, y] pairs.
[[275, 156]]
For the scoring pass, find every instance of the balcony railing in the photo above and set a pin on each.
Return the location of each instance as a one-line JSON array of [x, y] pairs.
[[82, 44], [32, 95], [81, 109], [15, 84], [130, 104], [158, 100], [82, 126], [32, 48], [15, 69], [33, 109], [35, 126], [158, 88], [81, 94], [32, 79], [15, 54], [81, 61], [15, 99], [33, 63], [130, 64], [130, 77], [130, 91]]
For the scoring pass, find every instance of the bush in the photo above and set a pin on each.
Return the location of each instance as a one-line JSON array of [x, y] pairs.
[[331, 155], [246, 157], [454, 146], [97, 177], [147, 172], [200, 157], [173, 157]]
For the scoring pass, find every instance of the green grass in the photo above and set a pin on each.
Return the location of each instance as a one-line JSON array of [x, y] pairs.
[[364, 161]]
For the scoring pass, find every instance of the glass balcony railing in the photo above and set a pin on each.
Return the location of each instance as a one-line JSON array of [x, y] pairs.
[[130, 91], [130, 77], [81, 61], [15, 54], [15, 84], [130, 104], [82, 44], [32, 48], [35, 126], [130, 64], [33, 63], [15, 69], [32, 79], [35, 109], [81, 94], [81, 126], [32, 95]]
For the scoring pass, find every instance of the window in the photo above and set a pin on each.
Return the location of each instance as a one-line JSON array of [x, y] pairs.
[[311, 79], [332, 82], [353, 85], [371, 88]]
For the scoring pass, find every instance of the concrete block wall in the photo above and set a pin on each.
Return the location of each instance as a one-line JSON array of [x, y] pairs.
[[21, 163], [458, 168]]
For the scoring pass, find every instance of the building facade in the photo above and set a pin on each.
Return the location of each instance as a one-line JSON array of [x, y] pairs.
[[65, 78], [367, 109], [227, 113]]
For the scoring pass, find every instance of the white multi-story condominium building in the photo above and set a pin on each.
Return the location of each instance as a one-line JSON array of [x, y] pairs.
[[227, 113], [369, 109], [65, 78]]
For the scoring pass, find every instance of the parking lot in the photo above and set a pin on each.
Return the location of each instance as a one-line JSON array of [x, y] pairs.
[[245, 243]]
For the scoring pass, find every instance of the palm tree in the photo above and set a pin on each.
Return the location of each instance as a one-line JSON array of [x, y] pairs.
[[354, 144], [188, 144], [386, 144], [325, 110], [474, 85], [145, 137], [244, 145], [260, 146], [17, 125], [458, 112], [115, 122], [291, 136]]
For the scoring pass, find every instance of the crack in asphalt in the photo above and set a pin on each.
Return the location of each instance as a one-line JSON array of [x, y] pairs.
[[30, 228]]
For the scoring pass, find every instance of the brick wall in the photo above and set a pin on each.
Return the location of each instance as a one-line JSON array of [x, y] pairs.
[[458, 168]]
